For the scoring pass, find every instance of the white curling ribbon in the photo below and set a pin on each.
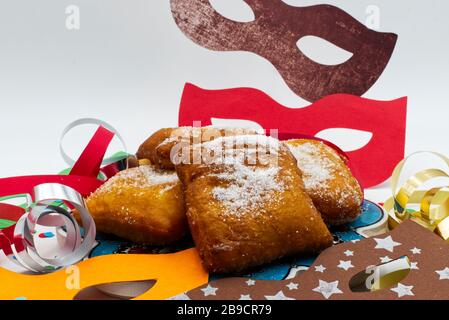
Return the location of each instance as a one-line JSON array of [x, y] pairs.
[[76, 245], [70, 161]]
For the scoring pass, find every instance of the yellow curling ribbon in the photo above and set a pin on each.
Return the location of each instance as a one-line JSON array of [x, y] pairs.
[[433, 204]]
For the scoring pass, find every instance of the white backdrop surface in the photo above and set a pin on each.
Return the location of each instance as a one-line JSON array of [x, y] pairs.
[[128, 63]]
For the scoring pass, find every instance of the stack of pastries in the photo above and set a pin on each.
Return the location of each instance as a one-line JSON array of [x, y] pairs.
[[246, 199]]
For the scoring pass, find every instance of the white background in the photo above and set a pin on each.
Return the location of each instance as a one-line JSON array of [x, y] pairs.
[[128, 62]]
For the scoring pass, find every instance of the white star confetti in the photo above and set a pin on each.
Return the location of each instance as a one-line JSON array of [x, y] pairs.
[[182, 296], [415, 250], [385, 259], [349, 253], [278, 296], [444, 274], [402, 290], [245, 297], [327, 289], [387, 244], [292, 286], [320, 268], [209, 291], [414, 266], [250, 282], [345, 265]]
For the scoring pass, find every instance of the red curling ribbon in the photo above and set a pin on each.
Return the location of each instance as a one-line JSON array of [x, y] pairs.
[[6, 237], [89, 162], [112, 169], [10, 212]]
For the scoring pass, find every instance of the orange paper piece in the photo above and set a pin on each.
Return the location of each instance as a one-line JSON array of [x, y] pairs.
[[174, 274]]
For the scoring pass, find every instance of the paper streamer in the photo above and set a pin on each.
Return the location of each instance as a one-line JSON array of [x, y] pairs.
[[49, 199], [432, 204], [101, 143], [18, 244]]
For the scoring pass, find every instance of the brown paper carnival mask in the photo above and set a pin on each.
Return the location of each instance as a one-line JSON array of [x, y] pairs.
[[274, 34], [330, 277]]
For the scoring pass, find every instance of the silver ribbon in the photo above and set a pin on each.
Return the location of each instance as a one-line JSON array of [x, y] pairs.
[[47, 210]]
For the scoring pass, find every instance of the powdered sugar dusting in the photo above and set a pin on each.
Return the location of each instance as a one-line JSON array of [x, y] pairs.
[[317, 170], [141, 177], [252, 141], [249, 188]]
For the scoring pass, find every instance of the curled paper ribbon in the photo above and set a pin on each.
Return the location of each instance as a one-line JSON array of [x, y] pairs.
[[433, 204], [89, 162], [47, 198], [18, 241], [100, 123]]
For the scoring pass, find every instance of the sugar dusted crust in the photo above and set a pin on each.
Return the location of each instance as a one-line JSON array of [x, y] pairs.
[[243, 215], [142, 204], [248, 190], [141, 177], [328, 180]]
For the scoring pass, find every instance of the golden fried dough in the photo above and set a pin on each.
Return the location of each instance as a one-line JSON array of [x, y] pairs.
[[141, 204], [158, 147], [328, 181], [148, 149], [245, 213]]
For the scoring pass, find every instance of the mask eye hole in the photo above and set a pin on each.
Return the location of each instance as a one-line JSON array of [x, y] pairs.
[[382, 276], [322, 51], [115, 291], [236, 10], [346, 139]]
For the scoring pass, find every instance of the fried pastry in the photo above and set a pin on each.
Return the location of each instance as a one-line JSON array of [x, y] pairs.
[[248, 207], [158, 147], [328, 181], [142, 204]]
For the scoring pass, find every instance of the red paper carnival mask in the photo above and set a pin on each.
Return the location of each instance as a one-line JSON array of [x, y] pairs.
[[274, 34], [386, 120]]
